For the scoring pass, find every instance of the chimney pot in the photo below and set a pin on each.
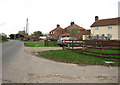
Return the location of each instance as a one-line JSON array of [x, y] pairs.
[[72, 23], [58, 25], [96, 18]]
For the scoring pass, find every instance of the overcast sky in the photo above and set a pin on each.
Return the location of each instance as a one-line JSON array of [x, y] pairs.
[[44, 15]]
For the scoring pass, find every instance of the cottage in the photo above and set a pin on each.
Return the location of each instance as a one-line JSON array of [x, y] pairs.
[[106, 27], [72, 30], [76, 31], [55, 33]]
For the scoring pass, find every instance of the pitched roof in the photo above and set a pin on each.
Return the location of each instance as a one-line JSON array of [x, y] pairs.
[[56, 29], [30, 36], [65, 34], [104, 22], [86, 32], [81, 28]]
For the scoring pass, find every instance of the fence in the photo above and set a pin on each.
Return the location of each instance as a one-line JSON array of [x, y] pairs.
[[50, 42], [94, 44]]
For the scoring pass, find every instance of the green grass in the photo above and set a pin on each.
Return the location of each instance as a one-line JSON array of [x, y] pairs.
[[38, 44], [105, 51], [69, 56], [1, 41]]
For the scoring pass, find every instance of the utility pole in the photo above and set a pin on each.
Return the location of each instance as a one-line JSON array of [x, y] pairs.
[[27, 27]]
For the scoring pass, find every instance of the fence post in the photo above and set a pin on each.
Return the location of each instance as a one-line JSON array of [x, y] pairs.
[[102, 50], [47, 42], [83, 46], [54, 42], [72, 44], [62, 45]]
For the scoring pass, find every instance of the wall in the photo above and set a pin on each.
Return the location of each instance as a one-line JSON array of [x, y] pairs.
[[105, 30]]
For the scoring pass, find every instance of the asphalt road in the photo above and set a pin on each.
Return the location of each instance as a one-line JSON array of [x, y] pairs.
[[20, 67]]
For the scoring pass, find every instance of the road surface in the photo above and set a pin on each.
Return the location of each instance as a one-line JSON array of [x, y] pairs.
[[20, 67]]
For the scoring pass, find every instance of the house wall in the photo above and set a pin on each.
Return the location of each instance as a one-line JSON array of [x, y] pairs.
[[55, 34], [104, 30]]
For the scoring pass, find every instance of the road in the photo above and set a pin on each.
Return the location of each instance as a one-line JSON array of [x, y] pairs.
[[20, 67]]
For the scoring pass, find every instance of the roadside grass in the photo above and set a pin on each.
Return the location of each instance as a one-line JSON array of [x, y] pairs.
[[69, 56], [1, 41], [38, 44]]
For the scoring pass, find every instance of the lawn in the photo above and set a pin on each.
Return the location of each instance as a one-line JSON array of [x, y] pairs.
[[105, 51], [38, 44], [69, 56]]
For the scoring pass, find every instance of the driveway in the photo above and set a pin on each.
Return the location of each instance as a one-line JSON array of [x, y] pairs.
[[21, 67]]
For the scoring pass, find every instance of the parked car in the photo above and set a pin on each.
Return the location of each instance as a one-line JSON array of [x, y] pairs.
[[100, 38], [59, 42]]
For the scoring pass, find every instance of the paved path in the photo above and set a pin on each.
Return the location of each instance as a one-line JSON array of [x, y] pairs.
[[20, 67]]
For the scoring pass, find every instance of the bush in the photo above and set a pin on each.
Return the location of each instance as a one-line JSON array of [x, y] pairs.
[[3, 37]]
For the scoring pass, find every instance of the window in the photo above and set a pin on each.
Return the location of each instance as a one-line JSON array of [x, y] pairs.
[[96, 28], [62, 31], [109, 35], [103, 34], [109, 27], [78, 31], [96, 35]]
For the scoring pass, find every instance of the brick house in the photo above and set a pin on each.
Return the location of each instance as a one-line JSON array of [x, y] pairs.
[[107, 27], [72, 30], [55, 33], [79, 32]]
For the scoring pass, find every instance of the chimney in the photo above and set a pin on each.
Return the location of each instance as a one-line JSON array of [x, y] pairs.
[[58, 25], [72, 23], [96, 18]]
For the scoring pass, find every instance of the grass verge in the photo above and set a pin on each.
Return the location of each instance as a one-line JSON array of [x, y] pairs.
[[69, 56], [38, 44], [1, 41]]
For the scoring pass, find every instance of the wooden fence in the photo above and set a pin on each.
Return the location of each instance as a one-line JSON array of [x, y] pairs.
[[93, 44], [50, 42]]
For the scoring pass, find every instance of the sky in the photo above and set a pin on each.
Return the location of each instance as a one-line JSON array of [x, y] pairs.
[[44, 15]]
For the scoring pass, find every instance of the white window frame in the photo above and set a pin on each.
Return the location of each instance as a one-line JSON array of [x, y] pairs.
[[109, 26], [96, 34], [97, 28]]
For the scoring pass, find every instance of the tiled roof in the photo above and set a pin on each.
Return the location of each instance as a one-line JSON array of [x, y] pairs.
[[81, 28], [86, 32], [65, 34], [104, 22], [29, 36], [56, 29]]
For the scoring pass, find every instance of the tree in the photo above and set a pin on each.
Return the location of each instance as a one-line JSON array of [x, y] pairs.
[[37, 33], [22, 32], [73, 31], [3, 36], [11, 36]]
